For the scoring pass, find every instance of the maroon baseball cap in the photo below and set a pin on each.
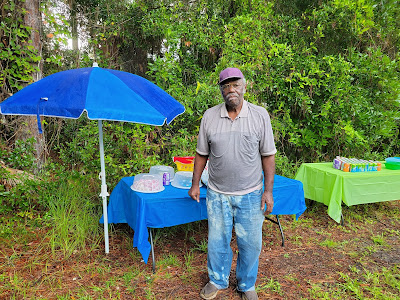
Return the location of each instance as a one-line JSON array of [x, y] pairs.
[[230, 73]]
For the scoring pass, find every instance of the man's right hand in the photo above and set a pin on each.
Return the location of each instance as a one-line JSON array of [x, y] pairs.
[[200, 162], [194, 192]]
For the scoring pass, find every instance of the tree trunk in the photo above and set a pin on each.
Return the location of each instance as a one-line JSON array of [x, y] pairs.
[[74, 30], [29, 127], [74, 26]]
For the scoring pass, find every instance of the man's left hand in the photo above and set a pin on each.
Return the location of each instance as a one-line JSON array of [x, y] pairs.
[[267, 199]]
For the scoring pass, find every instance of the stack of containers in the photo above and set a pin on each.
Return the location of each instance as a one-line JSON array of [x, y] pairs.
[[184, 163], [356, 165]]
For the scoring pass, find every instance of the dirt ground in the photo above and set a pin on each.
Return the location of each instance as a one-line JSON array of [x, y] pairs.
[[316, 251]]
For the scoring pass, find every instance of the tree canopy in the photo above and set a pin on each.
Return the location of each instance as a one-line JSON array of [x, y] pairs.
[[326, 71]]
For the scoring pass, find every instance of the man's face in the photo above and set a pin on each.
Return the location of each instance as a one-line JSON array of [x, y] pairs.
[[232, 91]]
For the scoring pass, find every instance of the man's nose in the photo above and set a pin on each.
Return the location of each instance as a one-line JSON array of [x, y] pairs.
[[230, 88]]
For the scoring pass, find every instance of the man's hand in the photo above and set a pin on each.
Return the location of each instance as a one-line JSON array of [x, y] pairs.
[[194, 192], [267, 199], [200, 162]]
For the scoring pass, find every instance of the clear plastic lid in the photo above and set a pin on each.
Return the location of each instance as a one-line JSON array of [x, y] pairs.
[[148, 183], [183, 180], [161, 170], [393, 160]]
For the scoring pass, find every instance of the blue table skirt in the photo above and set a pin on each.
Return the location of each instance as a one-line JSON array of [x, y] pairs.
[[173, 206]]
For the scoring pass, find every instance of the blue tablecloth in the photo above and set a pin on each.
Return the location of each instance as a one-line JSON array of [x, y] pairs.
[[173, 206]]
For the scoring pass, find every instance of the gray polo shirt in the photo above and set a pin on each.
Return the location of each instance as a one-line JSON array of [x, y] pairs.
[[235, 147]]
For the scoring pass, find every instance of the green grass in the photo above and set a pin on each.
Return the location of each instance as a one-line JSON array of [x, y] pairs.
[[271, 285], [189, 258], [383, 284], [379, 239], [169, 260], [74, 223], [201, 246], [57, 253]]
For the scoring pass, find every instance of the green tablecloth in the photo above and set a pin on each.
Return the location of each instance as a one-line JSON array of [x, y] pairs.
[[323, 183]]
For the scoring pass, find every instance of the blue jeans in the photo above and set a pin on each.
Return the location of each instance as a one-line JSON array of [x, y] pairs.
[[245, 214]]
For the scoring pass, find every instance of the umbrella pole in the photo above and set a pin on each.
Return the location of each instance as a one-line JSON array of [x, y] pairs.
[[104, 194]]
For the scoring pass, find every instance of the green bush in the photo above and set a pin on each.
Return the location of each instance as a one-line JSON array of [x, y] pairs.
[[22, 156]]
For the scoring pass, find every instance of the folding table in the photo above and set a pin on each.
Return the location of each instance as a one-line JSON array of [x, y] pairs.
[[173, 206], [332, 187]]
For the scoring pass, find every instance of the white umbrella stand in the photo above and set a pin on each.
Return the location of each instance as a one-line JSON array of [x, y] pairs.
[[104, 194]]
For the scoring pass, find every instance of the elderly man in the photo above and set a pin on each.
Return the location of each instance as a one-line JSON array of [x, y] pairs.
[[236, 137]]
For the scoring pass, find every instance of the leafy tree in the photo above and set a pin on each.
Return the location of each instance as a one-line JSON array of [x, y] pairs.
[[18, 57], [327, 71]]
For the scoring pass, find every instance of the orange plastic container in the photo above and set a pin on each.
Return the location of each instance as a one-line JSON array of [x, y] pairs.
[[184, 163], [346, 167]]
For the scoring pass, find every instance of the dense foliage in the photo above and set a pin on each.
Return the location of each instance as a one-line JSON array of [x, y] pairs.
[[327, 72]]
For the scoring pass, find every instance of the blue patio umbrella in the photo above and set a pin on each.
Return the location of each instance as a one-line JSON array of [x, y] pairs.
[[104, 94]]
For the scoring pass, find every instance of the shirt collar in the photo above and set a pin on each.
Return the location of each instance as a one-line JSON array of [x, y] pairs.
[[242, 114]]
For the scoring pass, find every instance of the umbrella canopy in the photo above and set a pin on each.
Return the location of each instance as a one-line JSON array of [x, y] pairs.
[[105, 95]]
